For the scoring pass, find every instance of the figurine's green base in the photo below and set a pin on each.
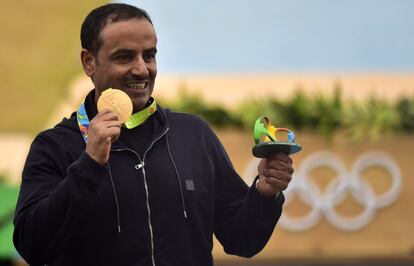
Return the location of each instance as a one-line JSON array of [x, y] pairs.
[[267, 149]]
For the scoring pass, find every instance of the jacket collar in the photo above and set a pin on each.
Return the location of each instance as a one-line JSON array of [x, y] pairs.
[[91, 111]]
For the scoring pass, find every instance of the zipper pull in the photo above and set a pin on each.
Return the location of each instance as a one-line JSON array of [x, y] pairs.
[[139, 166]]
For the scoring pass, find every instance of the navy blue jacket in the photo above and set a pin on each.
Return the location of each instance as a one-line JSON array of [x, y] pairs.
[[158, 208]]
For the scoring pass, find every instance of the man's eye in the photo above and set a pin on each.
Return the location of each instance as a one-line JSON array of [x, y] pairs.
[[123, 58], [149, 57]]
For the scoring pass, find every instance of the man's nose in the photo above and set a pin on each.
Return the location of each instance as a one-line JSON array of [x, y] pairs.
[[139, 67]]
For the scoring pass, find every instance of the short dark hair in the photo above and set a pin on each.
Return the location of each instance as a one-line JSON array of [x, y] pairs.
[[98, 18]]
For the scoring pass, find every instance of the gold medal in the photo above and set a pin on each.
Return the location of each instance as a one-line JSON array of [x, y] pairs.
[[117, 101]]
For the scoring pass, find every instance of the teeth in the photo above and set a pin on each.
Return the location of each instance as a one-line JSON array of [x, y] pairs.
[[137, 86]]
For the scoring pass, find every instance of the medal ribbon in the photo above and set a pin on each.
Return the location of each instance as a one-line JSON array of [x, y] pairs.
[[135, 119], [83, 121], [140, 117]]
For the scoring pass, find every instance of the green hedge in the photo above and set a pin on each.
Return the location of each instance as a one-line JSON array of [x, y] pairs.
[[312, 113], [8, 199]]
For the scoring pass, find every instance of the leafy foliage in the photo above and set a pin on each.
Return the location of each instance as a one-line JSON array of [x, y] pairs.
[[247, 112], [405, 107], [2, 178], [325, 114], [371, 119], [213, 113]]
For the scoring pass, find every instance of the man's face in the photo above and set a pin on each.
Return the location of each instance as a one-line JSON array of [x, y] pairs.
[[125, 60]]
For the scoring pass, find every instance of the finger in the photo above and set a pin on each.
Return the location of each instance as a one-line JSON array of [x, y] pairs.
[[112, 139], [262, 164], [279, 185], [112, 123], [103, 112], [280, 165], [275, 164], [103, 117], [113, 134], [101, 127], [109, 116], [281, 175], [281, 156], [114, 131]]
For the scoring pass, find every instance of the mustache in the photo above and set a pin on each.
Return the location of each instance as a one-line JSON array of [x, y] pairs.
[[135, 78]]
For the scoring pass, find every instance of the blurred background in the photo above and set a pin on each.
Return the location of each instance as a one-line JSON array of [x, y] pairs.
[[338, 73]]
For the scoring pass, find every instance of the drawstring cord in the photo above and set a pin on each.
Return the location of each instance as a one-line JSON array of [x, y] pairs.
[[116, 200], [177, 176]]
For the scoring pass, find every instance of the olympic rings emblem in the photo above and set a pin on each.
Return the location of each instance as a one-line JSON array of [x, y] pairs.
[[324, 202]]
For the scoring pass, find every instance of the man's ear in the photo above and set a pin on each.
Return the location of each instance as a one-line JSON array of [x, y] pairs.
[[88, 62]]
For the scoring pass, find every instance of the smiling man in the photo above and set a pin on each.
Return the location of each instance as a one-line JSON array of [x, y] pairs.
[[152, 191], [122, 56]]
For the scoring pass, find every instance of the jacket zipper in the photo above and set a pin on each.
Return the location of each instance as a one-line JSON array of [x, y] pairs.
[[141, 165]]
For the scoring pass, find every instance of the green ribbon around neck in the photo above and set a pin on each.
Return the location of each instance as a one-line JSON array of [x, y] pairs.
[[140, 117], [134, 121]]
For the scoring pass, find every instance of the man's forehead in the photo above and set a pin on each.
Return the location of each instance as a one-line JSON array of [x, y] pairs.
[[134, 25], [133, 31]]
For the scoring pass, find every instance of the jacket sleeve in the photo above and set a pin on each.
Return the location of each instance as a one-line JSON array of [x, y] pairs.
[[244, 220], [54, 196]]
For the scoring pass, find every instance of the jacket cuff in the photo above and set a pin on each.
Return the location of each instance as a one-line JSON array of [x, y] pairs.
[[264, 207], [89, 168]]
